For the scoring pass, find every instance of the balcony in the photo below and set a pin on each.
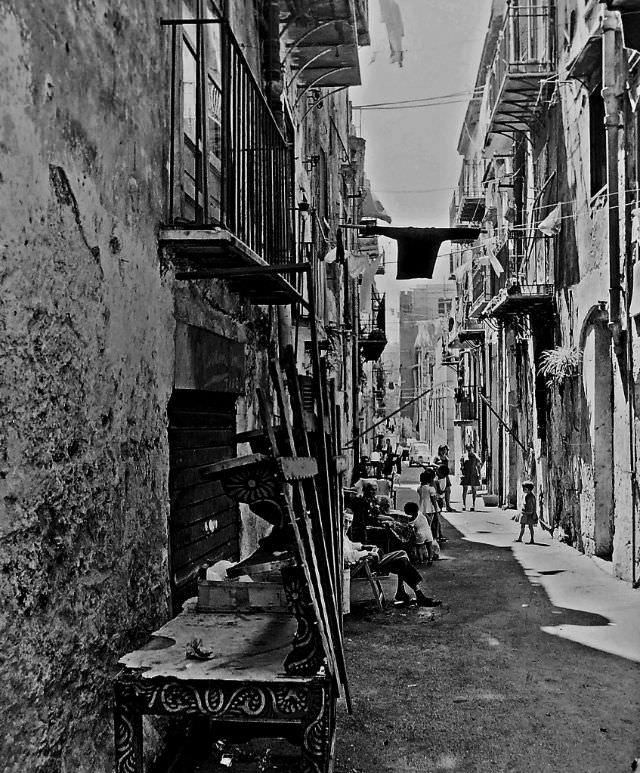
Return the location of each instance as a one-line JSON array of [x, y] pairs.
[[524, 287], [323, 38], [231, 174], [373, 336], [470, 330], [523, 64], [521, 298], [480, 291], [466, 398], [471, 195]]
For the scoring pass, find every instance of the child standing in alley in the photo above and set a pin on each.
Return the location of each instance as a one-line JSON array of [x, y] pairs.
[[428, 501], [422, 532], [529, 514]]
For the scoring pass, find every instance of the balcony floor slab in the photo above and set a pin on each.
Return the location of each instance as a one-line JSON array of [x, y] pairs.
[[215, 253]]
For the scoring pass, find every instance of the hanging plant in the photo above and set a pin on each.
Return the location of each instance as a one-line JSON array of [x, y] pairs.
[[559, 364]]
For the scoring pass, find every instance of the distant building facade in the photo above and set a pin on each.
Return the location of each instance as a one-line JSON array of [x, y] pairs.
[[424, 315], [549, 293]]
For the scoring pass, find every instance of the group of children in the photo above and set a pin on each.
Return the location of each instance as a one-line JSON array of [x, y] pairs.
[[424, 517]]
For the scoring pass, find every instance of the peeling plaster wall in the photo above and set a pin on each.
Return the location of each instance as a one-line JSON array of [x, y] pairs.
[[86, 338], [579, 478], [588, 479], [86, 346]]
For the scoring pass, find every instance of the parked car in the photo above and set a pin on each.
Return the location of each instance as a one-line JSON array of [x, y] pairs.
[[418, 454]]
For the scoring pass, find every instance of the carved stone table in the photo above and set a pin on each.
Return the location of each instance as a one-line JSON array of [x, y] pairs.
[[243, 685]]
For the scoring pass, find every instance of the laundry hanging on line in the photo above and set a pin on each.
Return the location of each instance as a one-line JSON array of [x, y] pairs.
[[418, 247]]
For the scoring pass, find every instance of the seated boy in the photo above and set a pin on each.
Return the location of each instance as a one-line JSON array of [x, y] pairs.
[[422, 530]]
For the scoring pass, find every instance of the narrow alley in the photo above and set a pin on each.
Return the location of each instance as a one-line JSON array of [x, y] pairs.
[[531, 664], [281, 282]]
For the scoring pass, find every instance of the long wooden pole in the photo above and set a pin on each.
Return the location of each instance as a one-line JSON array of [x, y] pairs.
[[388, 416]]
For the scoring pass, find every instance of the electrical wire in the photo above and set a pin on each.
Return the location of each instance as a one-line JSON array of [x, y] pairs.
[[458, 96]]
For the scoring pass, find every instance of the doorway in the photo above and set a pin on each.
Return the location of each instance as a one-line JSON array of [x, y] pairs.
[[204, 524]]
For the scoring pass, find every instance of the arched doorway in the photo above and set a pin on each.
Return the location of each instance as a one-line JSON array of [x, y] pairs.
[[596, 496]]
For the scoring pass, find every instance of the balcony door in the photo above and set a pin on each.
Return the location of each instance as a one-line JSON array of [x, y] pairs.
[[201, 132]]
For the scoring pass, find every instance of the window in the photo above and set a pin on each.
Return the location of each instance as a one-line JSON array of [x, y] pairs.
[[444, 307], [597, 142], [201, 113]]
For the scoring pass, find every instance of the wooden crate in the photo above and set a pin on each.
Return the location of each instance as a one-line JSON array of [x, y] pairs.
[[229, 596]]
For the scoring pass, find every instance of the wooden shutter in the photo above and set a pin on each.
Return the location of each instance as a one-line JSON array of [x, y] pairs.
[[204, 524]]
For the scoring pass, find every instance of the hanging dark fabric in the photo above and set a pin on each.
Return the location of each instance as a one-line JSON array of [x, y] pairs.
[[381, 315], [418, 247], [339, 246]]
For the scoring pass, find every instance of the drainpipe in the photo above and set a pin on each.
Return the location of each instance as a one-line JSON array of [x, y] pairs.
[[612, 96], [631, 399], [612, 93]]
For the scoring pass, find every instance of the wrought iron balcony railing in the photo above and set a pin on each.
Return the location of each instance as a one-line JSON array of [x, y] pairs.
[[230, 165], [522, 298], [471, 195], [466, 404], [471, 330], [373, 337], [523, 64], [480, 291]]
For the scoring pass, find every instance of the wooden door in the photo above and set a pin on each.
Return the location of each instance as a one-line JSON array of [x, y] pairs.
[[204, 524]]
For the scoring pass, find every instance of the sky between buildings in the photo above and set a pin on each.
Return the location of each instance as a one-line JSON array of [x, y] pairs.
[[411, 155]]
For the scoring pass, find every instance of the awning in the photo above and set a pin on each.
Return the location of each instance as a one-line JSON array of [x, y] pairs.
[[323, 38]]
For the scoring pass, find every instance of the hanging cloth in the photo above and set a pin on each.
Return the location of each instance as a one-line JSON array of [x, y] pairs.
[[418, 247], [552, 224], [392, 19]]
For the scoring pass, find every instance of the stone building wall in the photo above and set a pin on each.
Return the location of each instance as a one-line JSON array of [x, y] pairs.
[[87, 344], [587, 458]]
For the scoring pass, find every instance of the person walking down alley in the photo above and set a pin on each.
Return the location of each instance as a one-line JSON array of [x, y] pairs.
[[470, 465], [529, 514], [397, 562], [443, 454]]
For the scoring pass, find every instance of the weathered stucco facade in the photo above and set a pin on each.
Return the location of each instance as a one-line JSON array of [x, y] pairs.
[[103, 347], [87, 332], [565, 289]]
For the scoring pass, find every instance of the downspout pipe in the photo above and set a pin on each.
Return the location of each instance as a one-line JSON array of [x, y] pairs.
[[612, 96]]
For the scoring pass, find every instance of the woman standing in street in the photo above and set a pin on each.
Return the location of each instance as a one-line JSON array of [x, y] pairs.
[[443, 453], [470, 467]]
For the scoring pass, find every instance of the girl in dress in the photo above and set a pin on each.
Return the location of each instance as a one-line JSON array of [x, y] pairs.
[[529, 514]]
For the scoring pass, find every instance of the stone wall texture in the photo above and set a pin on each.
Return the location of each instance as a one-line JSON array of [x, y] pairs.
[[87, 326]]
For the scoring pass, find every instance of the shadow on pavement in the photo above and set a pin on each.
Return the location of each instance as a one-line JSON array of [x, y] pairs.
[[478, 684]]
